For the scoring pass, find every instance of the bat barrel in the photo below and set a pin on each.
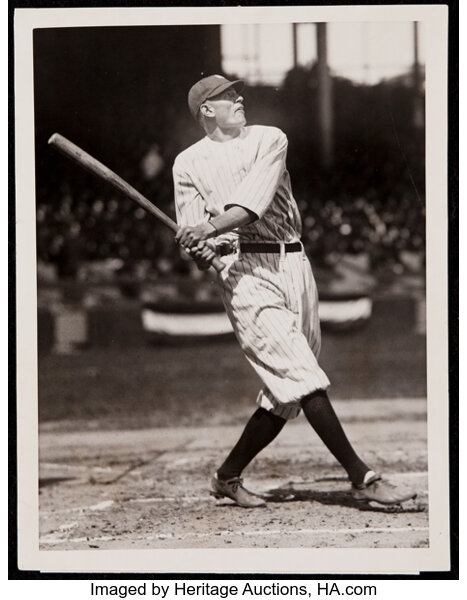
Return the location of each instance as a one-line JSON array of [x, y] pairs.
[[97, 168], [91, 164]]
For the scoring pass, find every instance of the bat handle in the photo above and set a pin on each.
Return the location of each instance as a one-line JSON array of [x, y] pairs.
[[217, 264]]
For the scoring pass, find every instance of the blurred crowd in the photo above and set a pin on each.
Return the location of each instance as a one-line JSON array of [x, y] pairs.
[[370, 201], [353, 214]]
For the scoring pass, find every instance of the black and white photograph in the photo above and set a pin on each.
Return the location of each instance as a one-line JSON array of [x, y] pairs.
[[232, 289]]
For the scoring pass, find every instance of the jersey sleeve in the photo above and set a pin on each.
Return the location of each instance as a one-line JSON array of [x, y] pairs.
[[258, 188], [190, 207]]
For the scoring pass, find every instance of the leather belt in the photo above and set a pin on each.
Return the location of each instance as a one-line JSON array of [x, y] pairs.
[[273, 248]]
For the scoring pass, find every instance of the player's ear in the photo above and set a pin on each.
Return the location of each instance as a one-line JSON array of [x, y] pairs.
[[206, 110]]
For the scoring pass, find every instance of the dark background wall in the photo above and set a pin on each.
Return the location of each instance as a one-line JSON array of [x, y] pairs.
[[107, 86], [120, 93]]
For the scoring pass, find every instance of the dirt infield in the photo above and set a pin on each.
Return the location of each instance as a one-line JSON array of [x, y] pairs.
[[129, 438], [148, 488]]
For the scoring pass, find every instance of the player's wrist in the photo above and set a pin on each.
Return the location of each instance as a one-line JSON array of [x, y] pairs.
[[211, 230]]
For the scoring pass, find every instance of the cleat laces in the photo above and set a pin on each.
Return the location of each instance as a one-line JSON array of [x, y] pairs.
[[236, 483]]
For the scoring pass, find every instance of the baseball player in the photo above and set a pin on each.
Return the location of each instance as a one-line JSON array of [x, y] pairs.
[[234, 199]]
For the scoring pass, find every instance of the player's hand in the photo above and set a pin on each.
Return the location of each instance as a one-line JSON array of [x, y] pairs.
[[203, 254], [191, 236]]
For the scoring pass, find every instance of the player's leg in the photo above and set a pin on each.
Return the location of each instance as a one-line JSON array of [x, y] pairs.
[[260, 431], [321, 415], [241, 297], [267, 333], [366, 484], [316, 405]]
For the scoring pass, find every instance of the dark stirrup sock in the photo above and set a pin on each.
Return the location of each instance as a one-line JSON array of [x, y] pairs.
[[260, 430], [320, 414]]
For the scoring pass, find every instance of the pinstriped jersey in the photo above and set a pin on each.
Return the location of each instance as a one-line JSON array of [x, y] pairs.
[[271, 299], [247, 171]]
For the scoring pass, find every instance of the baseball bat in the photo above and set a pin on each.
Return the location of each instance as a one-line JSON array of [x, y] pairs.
[[91, 164]]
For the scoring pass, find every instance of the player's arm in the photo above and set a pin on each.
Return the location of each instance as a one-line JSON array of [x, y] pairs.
[[259, 187], [190, 208], [232, 218]]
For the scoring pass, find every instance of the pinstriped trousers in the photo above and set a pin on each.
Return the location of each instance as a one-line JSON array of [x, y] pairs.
[[272, 303]]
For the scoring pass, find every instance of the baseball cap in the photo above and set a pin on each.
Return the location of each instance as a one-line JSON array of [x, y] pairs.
[[207, 88]]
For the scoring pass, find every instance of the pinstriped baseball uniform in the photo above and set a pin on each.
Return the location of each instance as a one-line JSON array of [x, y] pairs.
[[270, 298]]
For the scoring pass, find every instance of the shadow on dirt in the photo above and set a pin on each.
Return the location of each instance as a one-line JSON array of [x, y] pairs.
[[336, 498], [48, 481]]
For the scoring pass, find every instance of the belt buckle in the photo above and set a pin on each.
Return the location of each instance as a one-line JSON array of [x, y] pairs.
[[282, 251]]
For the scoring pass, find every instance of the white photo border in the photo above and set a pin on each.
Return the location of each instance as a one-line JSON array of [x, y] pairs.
[[267, 561]]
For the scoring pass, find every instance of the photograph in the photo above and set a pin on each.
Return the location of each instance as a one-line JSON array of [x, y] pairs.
[[231, 246]]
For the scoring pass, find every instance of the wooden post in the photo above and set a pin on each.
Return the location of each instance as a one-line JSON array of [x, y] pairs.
[[325, 101], [295, 44]]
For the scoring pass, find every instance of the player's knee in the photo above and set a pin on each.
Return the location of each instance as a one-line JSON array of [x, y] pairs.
[[312, 397]]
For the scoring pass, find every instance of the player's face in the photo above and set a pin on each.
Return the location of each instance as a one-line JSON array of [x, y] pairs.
[[228, 109]]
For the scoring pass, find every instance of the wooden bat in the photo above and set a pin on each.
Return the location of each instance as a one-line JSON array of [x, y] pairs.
[[91, 164]]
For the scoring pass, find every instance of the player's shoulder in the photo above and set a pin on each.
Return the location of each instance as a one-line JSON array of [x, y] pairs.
[[185, 158], [267, 132]]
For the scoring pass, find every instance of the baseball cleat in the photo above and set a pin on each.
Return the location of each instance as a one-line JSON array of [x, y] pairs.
[[233, 489], [376, 489]]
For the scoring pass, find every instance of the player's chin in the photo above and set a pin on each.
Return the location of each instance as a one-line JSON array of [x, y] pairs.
[[241, 118]]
